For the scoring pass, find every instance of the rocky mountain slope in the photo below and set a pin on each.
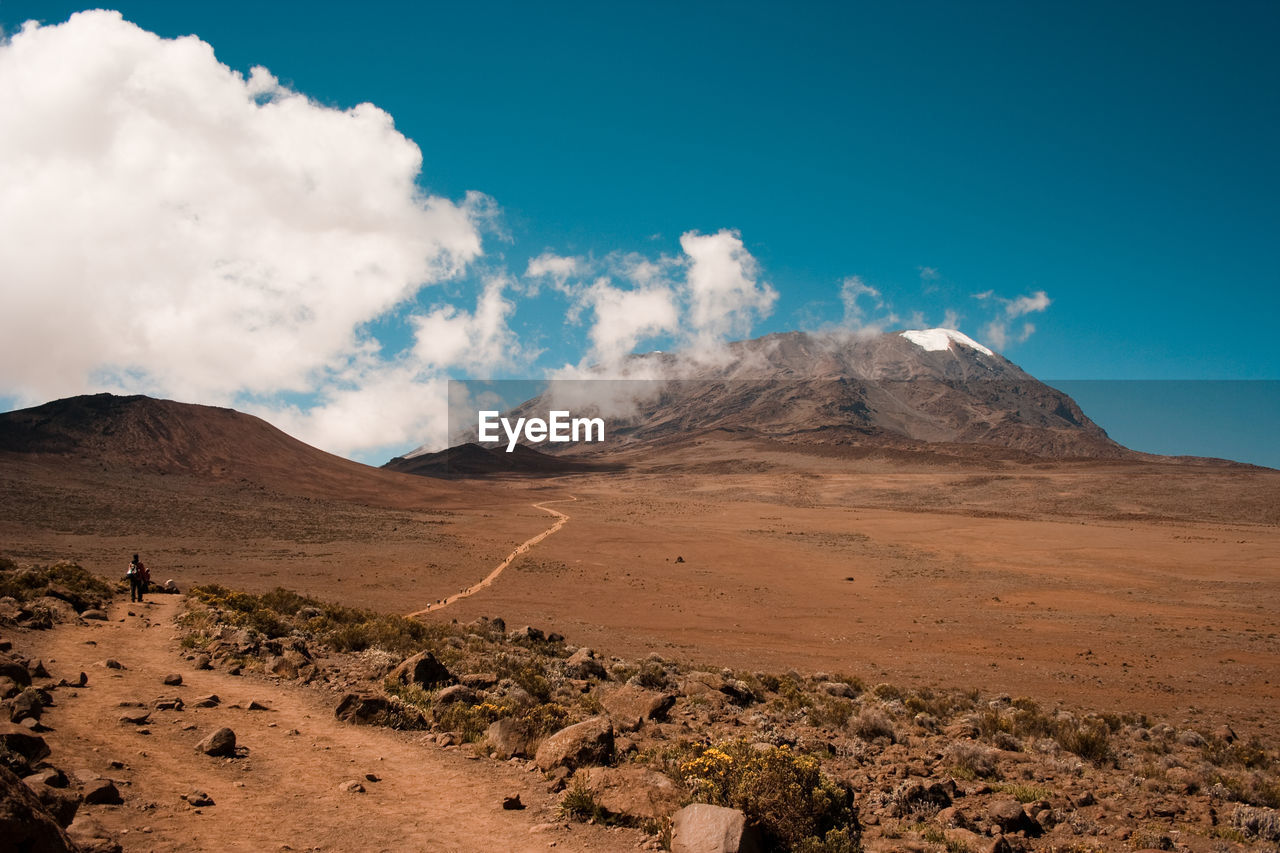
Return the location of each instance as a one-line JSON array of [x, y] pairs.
[[902, 390]]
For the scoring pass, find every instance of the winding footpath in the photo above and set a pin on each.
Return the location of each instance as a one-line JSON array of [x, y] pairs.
[[561, 520]]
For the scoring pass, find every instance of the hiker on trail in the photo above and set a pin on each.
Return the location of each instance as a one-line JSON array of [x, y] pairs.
[[137, 576]]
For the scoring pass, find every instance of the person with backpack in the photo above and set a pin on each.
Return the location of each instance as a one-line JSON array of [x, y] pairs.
[[137, 576]]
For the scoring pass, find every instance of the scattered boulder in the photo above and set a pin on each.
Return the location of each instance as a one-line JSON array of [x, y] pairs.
[[739, 692], [351, 786], [25, 823], [510, 738], [21, 741], [372, 709], [221, 742], [838, 688], [202, 661], [173, 679], [198, 799], [37, 669], [112, 663], [630, 706], [632, 791], [702, 828], [479, 680], [50, 776], [512, 804], [210, 701], [101, 792], [454, 693], [282, 666], [26, 705], [583, 664], [1009, 815], [95, 614], [62, 803], [587, 742], [528, 633], [15, 672], [135, 718], [168, 703], [91, 836], [424, 670], [909, 797]]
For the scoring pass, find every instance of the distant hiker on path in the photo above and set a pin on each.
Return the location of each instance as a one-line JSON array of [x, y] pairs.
[[138, 576]]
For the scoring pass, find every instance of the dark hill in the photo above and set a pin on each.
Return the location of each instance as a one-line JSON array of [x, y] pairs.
[[141, 434], [471, 460]]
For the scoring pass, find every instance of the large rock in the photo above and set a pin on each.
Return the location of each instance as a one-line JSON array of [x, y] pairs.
[[25, 824], [630, 706], [587, 742], [424, 670], [511, 738], [1011, 817], [583, 664], [91, 836], [20, 740], [105, 792], [221, 742], [455, 693], [701, 828], [632, 791], [17, 672], [363, 709]]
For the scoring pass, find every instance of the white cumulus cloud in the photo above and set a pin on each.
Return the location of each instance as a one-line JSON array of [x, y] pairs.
[[725, 293], [171, 225]]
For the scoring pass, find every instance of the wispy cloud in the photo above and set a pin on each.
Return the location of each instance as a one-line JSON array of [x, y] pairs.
[[998, 331]]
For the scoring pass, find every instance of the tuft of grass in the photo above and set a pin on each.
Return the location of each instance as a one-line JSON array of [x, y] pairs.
[[1023, 793], [579, 803]]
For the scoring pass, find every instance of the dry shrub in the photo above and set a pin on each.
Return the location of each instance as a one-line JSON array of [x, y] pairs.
[[871, 724], [972, 761], [783, 793]]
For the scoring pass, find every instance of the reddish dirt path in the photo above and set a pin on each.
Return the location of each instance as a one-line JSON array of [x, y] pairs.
[[522, 548], [284, 794]]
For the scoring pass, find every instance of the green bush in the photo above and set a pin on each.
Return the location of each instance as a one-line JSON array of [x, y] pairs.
[[785, 794]]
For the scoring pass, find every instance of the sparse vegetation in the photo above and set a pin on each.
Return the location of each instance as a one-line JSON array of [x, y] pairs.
[[64, 580], [784, 793], [772, 745]]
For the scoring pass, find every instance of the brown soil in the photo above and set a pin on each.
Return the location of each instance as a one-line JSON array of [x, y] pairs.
[[285, 790]]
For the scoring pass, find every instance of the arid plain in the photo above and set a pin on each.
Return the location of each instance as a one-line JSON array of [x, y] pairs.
[[1126, 585]]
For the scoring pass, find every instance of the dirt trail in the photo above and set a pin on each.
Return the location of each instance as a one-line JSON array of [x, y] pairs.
[[561, 520], [284, 794]]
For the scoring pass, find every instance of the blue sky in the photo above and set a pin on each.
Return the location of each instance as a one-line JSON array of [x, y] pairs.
[[1118, 158]]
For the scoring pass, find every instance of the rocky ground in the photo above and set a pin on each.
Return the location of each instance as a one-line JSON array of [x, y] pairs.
[[262, 703]]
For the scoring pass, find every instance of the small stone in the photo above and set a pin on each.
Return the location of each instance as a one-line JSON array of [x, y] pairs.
[[351, 786], [255, 705], [173, 679], [198, 798], [112, 663], [135, 718], [94, 614], [209, 701], [512, 803]]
